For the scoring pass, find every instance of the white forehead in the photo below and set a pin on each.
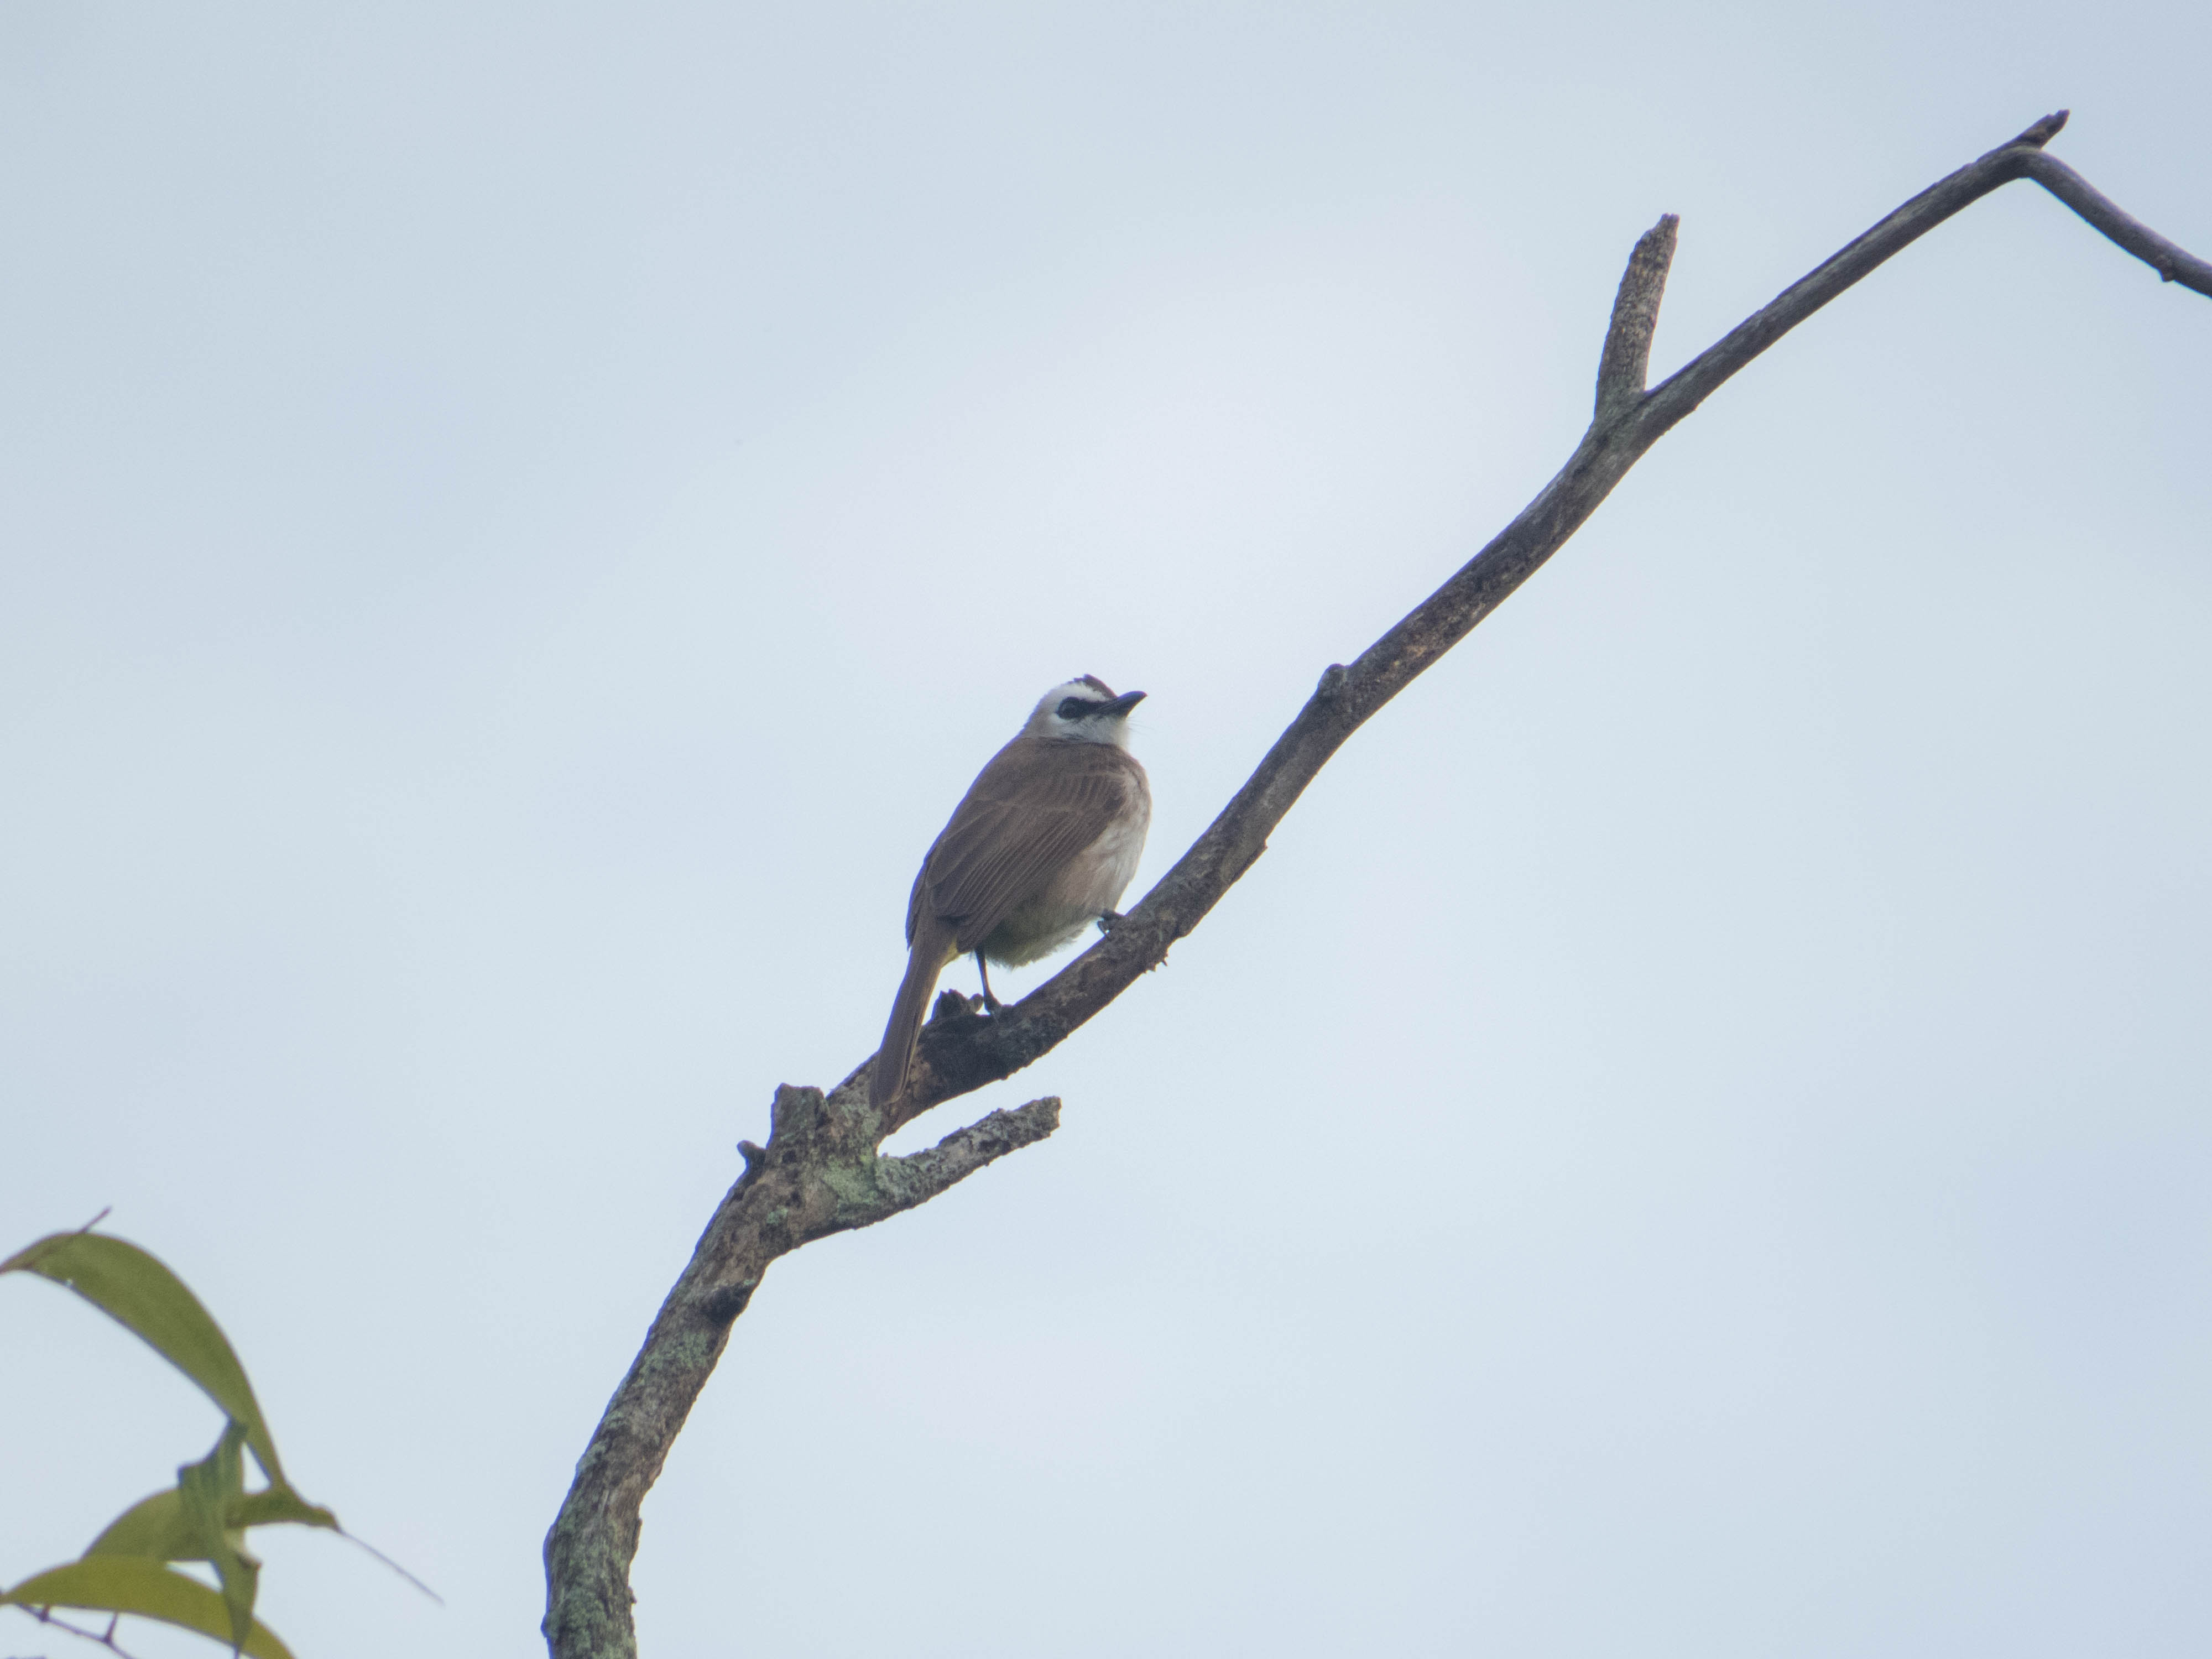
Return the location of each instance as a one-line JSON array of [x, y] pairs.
[[1088, 690]]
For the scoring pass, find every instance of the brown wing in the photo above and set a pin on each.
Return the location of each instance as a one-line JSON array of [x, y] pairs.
[[1031, 809]]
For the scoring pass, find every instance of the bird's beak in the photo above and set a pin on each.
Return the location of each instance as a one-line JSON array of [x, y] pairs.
[[1122, 705]]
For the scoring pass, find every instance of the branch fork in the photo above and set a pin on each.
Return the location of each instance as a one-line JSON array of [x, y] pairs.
[[821, 1172]]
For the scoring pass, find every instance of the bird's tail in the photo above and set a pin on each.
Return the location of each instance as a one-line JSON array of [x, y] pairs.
[[931, 952]]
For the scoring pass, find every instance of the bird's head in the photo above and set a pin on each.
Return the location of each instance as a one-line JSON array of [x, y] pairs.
[[1084, 711]]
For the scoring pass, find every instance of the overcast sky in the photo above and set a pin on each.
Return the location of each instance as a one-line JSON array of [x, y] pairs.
[[517, 524]]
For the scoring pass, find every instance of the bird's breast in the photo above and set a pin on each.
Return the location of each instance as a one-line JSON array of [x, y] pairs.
[[1085, 889], [1097, 877]]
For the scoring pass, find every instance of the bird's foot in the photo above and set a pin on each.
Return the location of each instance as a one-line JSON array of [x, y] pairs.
[[990, 1004], [1108, 921]]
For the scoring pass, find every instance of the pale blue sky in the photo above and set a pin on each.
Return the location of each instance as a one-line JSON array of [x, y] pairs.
[[517, 524]]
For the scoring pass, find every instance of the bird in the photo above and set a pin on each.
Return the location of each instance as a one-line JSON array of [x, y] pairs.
[[1041, 844]]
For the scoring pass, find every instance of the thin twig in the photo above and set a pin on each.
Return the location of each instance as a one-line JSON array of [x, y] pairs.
[[98, 1638], [363, 1544], [821, 1171]]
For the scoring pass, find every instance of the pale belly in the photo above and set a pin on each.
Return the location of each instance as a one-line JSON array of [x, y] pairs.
[[1085, 891]]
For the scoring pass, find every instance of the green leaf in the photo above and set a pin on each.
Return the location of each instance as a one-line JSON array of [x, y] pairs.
[[134, 1287], [156, 1526], [122, 1584], [205, 1491], [153, 1528], [203, 1518]]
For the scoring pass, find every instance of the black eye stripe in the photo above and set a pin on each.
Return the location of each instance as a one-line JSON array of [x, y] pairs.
[[1076, 708]]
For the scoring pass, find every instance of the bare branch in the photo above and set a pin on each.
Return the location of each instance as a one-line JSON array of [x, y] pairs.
[[920, 1176], [956, 1056], [2173, 265], [1697, 380], [821, 1172]]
